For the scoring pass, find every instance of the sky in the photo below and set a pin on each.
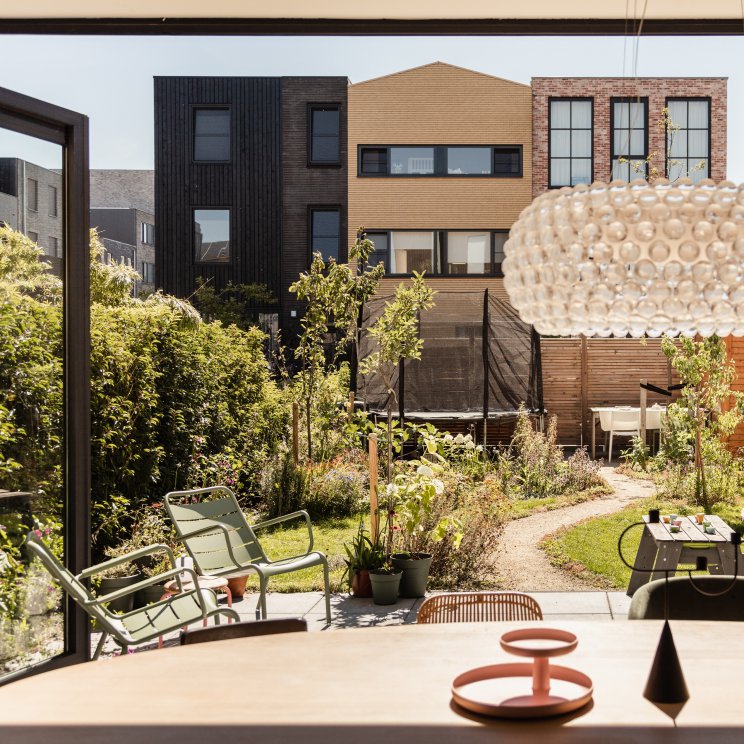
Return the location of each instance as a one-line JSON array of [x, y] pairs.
[[110, 78]]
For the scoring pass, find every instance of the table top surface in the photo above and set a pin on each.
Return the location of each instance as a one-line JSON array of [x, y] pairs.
[[631, 409], [690, 531], [387, 684]]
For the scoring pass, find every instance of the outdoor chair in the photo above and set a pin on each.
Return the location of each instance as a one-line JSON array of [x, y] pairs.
[[216, 534], [685, 603], [243, 630], [471, 607], [625, 424], [141, 625]]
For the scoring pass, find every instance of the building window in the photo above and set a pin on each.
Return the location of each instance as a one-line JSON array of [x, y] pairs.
[[468, 161], [439, 252], [148, 233], [501, 161], [414, 251], [688, 147], [53, 208], [374, 161], [32, 236], [469, 253], [212, 235], [32, 194], [212, 134], [629, 138], [325, 135], [381, 254], [148, 272], [412, 161], [53, 247], [507, 161], [325, 236], [570, 145]]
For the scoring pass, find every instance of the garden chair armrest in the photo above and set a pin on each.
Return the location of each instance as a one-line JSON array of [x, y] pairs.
[[128, 558], [290, 558], [286, 518], [150, 581], [214, 528]]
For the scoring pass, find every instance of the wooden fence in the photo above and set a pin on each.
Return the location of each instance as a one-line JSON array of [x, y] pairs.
[[579, 373]]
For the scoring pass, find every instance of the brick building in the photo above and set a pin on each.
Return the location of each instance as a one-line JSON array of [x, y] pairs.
[[31, 202], [582, 126]]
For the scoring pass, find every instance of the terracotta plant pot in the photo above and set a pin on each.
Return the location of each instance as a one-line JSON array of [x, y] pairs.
[[385, 586], [236, 584], [415, 573], [361, 585]]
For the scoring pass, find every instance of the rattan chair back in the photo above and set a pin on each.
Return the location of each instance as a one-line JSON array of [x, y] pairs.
[[475, 607]]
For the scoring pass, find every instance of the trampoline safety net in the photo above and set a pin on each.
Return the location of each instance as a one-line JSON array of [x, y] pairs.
[[478, 359]]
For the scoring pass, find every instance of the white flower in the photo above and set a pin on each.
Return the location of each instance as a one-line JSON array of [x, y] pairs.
[[449, 437], [438, 486], [391, 490], [459, 439], [469, 445], [425, 470]]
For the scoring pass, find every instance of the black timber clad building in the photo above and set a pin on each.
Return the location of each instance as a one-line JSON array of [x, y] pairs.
[[250, 177]]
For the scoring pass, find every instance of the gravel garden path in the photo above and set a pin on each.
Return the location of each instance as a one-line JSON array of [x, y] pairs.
[[523, 566]]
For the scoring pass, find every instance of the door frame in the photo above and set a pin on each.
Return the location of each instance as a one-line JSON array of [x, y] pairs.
[[69, 129]]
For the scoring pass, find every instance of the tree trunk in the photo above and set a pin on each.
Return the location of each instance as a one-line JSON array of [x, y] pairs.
[[389, 444], [309, 434]]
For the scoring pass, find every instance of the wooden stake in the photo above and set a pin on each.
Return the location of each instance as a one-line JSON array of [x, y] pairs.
[[644, 397], [373, 479], [296, 432], [350, 405]]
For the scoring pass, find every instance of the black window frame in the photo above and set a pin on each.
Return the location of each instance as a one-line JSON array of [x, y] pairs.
[[145, 233], [53, 206], [550, 129], [440, 161], [35, 182], [146, 273], [212, 208], [687, 99], [311, 209], [631, 158], [331, 106], [195, 108], [496, 271]]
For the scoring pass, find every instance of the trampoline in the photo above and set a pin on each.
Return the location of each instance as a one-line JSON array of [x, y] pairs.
[[479, 363]]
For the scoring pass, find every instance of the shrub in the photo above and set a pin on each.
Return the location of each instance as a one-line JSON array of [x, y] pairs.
[[481, 509]]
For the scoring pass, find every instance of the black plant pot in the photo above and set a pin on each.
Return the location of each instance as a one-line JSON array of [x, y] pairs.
[[415, 573], [123, 604], [148, 595]]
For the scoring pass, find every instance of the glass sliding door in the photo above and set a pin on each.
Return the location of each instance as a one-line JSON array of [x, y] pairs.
[[44, 433]]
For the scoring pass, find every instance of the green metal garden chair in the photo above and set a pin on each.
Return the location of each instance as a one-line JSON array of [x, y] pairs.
[[218, 537], [138, 626]]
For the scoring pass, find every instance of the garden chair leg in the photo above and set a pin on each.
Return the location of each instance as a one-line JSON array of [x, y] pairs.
[[261, 607], [99, 646], [327, 583]]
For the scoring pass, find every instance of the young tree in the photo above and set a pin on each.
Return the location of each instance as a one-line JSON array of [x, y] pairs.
[[334, 294], [396, 333], [653, 167], [708, 373]]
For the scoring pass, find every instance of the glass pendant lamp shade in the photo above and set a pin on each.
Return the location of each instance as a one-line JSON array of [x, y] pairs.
[[630, 258]]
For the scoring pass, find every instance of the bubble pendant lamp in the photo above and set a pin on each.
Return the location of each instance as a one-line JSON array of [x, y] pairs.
[[630, 258]]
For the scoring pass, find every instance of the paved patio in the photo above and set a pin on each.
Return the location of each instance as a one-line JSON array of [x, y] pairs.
[[349, 612]]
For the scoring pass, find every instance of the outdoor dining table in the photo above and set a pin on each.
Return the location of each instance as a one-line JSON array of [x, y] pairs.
[[603, 416], [663, 550], [381, 685]]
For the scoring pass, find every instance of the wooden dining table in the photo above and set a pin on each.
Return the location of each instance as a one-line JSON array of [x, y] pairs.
[[383, 685]]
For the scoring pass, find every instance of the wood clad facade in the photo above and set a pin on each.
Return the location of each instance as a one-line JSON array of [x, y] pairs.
[[437, 105], [735, 346], [608, 373], [268, 183]]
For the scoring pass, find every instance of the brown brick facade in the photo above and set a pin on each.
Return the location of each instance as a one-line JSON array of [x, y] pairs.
[[602, 90]]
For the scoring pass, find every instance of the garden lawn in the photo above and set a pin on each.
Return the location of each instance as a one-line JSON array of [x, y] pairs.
[[330, 536], [592, 545], [520, 508]]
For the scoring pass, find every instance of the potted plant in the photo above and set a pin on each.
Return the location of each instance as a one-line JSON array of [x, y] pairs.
[[416, 493], [385, 579], [119, 577], [363, 556]]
